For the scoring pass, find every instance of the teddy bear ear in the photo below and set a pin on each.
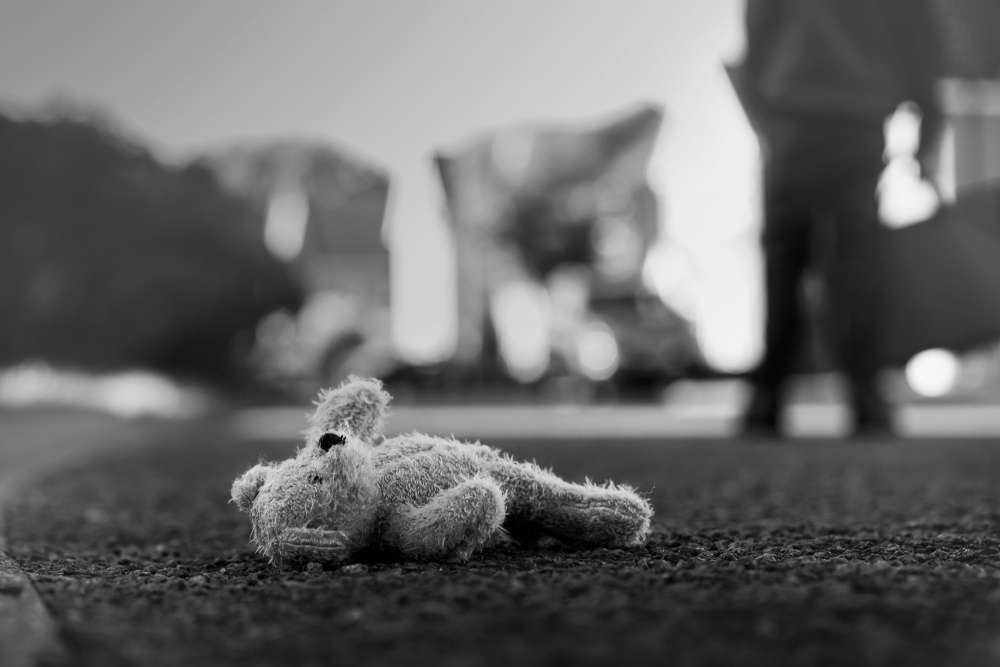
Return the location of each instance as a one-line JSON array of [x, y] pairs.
[[247, 486], [357, 408]]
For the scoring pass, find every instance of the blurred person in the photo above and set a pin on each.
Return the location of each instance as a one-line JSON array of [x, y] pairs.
[[819, 78]]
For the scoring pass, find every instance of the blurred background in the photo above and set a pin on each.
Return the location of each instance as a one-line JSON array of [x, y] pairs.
[[475, 202]]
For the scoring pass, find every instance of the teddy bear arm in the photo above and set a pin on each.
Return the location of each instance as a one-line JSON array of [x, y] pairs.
[[311, 544], [452, 525]]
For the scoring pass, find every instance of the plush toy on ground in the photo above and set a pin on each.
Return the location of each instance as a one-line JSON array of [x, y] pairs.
[[349, 489]]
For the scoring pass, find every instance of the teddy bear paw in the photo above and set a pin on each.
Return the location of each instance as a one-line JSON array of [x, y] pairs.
[[461, 553]]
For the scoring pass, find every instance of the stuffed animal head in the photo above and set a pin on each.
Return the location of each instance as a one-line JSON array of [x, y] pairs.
[[322, 504]]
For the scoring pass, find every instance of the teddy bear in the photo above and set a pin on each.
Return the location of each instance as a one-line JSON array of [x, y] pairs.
[[350, 489]]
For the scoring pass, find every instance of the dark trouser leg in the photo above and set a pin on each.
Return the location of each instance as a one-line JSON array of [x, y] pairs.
[[785, 243], [786, 253], [855, 284], [855, 287], [823, 169]]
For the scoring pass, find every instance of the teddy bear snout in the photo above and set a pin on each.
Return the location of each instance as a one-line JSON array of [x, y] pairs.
[[247, 486]]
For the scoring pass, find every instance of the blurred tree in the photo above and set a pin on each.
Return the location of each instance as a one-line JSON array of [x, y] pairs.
[[110, 259]]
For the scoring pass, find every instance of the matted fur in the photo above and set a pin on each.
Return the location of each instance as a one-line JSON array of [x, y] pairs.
[[425, 496]]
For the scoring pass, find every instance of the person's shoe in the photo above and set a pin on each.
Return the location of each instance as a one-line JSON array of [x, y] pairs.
[[868, 426], [872, 416], [761, 417], [873, 431]]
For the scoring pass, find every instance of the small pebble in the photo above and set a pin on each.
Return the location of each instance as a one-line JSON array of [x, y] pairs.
[[354, 568]]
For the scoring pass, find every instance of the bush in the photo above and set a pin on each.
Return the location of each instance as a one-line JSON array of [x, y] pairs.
[[110, 259]]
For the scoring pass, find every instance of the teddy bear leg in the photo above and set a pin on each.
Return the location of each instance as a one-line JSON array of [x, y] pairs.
[[452, 525], [310, 544], [613, 516]]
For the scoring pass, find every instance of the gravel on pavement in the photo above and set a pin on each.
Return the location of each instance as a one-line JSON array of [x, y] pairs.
[[787, 553]]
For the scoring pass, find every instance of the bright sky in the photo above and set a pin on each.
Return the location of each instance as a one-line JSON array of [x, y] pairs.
[[395, 80]]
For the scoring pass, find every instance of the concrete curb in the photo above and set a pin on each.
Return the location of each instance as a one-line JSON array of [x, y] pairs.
[[28, 633]]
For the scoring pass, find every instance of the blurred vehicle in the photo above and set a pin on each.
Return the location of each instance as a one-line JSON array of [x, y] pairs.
[[332, 336], [552, 228], [320, 212]]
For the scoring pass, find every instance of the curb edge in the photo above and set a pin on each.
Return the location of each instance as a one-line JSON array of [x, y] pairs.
[[29, 631]]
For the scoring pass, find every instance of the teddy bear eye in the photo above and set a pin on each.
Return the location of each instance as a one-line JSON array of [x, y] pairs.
[[329, 440]]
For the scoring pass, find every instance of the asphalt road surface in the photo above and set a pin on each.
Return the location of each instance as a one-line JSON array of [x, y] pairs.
[[795, 552]]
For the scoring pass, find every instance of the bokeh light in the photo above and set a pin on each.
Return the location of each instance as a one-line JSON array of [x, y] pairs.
[[522, 316], [285, 225], [932, 372], [903, 197], [598, 351]]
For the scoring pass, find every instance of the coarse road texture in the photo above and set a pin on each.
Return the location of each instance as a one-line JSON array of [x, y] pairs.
[[816, 552], [31, 442]]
